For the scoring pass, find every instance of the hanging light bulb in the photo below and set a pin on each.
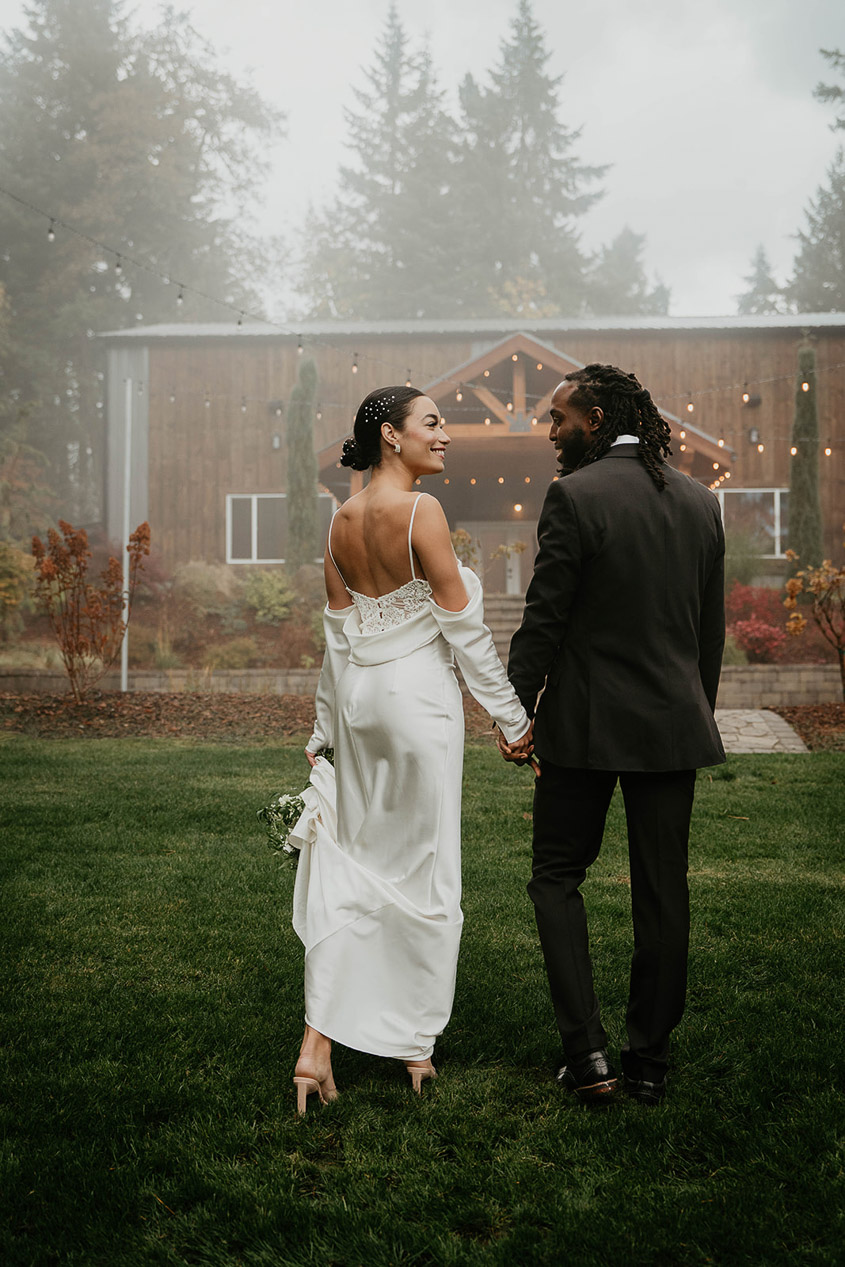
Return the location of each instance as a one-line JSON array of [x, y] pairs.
[[501, 479], [715, 466], [533, 422], [278, 411], [240, 320], [539, 365], [486, 373], [721, 442], [690, 407], [243, 404], [299, 347], [51, 232], [180, 298], [487, 422], [683, 448], [354, 362], [683, 435], [514, 357], [173, 398], [805, 387], [118, 266], [408, 379], [459, 395], [794, 451], [528, 479], [446, 481], [319, 414], [517, 507], [509, 407], [828, 451], [760, 448], [746, 396], [472, 481], [727, 475]]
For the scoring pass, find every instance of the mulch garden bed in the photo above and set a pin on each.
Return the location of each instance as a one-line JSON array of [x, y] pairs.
[[821, 726], [219, 716]]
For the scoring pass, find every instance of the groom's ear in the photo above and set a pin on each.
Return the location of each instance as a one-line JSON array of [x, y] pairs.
[[596, 417]]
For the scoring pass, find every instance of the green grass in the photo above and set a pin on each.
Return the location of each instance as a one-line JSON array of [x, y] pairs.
[[152, 1009]]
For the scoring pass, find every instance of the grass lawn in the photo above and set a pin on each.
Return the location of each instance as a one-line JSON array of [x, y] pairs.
[[150, 1016]]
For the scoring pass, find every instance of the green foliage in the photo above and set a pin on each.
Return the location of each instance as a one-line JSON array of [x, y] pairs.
[[15, 587], [733, 653], [742, 558], [237, 653], [210, 589], [153, 999], [303, 541], [818, 281], [471, 215], [805, 515], [763, 295], [269, 594], [139, 139], [833, 92]]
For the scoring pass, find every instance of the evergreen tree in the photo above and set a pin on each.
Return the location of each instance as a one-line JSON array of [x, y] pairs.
[[763, 295], [381, 248], [818, 280], [805, 516], [521, 188], [617, 281], [303, 523], [833, 92], [136, 139]]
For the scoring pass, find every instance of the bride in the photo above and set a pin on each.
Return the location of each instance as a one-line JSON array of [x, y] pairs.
[[377, 896]]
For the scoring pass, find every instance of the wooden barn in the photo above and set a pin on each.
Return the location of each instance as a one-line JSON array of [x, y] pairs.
[[201, 409]]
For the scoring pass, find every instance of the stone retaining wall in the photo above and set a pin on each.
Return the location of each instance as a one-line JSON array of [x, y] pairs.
[[742, 686]]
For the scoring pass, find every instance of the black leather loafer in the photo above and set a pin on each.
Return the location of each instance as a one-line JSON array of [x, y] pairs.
[[591, 1077], [645, 1092]]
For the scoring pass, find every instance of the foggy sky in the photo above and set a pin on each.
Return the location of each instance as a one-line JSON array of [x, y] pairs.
[[703, 108]]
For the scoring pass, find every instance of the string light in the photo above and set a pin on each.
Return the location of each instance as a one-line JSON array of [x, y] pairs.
[[180, 298], [509, 406], [487, 422], [118, 266], [486, 373], [472, 481], [354, 362], [539, 365], [683, 435], [319, 413], [533, 422], [760, 448], [501, 479], [794, 451], [446, 481], [805, 387], [528, 479], [173, 398], [721, 442], [408, 379], [683, 448], [746, 395], [514, 357], [715, 466], [51, 232], [240, 320], [243, 404], [207, 401], [690, 407], [299, 348], [828, 451], [459, 395], [727, 475], [517, 507]]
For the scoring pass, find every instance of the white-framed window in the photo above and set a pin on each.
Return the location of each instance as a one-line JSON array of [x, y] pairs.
[[257, 526], [757, 516]]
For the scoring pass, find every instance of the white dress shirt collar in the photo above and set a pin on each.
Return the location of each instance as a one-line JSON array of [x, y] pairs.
[[626, 440]]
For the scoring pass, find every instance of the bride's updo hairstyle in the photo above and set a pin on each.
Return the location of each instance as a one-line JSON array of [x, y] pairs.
[[385, 404]]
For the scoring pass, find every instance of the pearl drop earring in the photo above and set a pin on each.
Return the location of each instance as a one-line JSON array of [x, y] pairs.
[[397, 448]]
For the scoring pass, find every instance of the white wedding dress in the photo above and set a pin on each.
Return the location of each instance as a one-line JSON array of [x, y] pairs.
[[378, 887]]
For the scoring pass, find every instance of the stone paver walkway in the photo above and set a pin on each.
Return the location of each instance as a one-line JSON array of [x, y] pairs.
[[756, 730]]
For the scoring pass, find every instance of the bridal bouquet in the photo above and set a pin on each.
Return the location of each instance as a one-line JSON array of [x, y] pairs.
[[281, 815]]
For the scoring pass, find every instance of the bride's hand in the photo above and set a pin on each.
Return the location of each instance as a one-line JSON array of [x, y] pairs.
[[520, 752], [312, 760]]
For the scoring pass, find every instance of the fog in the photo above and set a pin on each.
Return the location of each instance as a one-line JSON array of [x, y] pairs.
[[704, 112]]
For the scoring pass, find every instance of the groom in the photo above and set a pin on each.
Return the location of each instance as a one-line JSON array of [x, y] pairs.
[[623, 633]]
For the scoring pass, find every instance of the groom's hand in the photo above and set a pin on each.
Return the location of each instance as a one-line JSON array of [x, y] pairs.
[[520, 752]]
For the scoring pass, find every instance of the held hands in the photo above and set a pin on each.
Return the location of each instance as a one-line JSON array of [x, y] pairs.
[[520, 751], [312, 758]]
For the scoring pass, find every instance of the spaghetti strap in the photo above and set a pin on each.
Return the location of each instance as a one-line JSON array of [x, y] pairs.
[[331, 556], [410, 530]]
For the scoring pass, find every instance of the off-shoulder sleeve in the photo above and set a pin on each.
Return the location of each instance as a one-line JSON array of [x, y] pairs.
[[334, 662], [482, 670]]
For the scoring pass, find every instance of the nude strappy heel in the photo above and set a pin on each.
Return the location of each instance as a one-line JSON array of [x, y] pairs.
[[419, 1073], [306, 1086]]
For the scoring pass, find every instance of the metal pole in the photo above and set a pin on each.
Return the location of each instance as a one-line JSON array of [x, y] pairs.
[[127, 485]]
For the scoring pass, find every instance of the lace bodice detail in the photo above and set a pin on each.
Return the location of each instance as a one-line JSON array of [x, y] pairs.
[[391, 610]]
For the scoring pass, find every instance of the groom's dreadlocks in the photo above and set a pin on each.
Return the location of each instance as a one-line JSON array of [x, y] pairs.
[[628, 410]]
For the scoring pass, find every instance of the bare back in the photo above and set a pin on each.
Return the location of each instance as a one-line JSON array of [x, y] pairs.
[[370, 547]]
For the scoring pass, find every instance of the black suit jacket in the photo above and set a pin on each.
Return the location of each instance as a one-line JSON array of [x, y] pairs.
[[624, 621]]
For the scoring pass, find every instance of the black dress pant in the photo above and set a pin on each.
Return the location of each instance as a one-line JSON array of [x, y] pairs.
[[570, 807]]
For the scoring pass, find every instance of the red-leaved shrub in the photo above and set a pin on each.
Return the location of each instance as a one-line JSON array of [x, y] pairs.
[[762, 643]]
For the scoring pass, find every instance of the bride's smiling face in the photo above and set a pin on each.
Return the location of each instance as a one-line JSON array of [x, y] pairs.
[[423, 439]]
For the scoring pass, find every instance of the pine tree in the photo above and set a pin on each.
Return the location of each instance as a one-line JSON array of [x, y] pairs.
[[805, 516], [520, 187], [763, 295], [617, 282], [833, 92], [303, 531], [136, 139], [818, 280], [380, 250]]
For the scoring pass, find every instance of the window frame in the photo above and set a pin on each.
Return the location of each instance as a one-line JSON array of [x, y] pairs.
[[254, 498], [778, 534]]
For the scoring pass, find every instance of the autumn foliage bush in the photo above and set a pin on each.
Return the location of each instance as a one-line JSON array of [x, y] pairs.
[[87, 619], [756, 619]]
